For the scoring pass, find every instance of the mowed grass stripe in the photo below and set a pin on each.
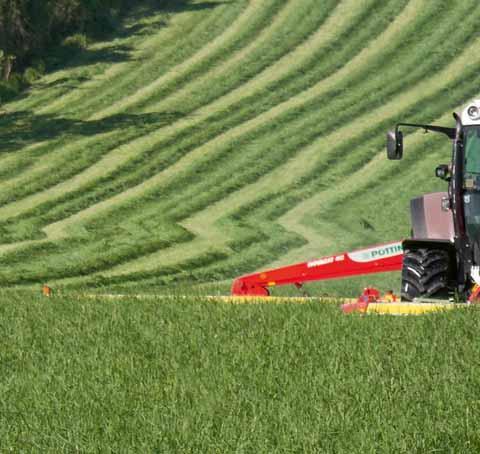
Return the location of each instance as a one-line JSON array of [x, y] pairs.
[[227, 136], [217, 46], [204, 224], [158, 32], [124, 153], [300, 121], [201, 152], [212, 55], [330, 233], [246, 57], [207, 172], [13, 164], [210, 25], [45, 178], [134, 72], [178, 166], [41, 170], [325, 236], [171, 270], [70, 147], [312, 216], [224, 232], [439, 76], [303, 23]]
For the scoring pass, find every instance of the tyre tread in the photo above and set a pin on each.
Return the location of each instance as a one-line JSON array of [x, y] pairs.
[[424, 273]]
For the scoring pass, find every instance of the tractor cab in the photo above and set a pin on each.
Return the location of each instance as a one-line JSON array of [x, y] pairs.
[[471, 181], [471, 176]]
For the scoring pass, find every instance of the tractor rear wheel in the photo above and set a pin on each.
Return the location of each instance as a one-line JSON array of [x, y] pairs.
[[424, 274]]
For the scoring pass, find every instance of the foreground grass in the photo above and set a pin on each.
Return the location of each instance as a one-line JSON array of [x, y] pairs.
[[188, 375]]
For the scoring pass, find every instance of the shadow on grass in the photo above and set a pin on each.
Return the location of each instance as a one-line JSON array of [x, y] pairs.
[[22, 128], [116, 54], [64, 57], [67, 57], [66, 82], [177, 6], [164, 6]]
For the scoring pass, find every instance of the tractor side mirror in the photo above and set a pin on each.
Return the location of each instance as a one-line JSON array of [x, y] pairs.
[[443, 172], [394, 144]]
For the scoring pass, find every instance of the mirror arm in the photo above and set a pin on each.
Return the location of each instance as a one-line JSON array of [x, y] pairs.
[[450, 132]]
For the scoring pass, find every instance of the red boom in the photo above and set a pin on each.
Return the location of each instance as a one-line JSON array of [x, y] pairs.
[[375, 259]]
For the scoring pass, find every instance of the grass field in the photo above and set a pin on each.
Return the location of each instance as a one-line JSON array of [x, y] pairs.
[[83, 374], [204, 140], [209, 139]]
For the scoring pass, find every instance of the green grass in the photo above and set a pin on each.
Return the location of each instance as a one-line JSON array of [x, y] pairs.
[[227, 137], [186, 375], [46, 178], [203, 141]]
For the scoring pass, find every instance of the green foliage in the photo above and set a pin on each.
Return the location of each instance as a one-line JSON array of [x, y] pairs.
[[31, 75], [30, 29], [11, 88], [78, 41]]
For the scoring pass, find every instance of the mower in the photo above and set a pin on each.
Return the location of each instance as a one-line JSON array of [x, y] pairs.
[[441, 259]]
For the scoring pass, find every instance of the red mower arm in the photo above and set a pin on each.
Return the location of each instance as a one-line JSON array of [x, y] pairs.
[[375, 259]]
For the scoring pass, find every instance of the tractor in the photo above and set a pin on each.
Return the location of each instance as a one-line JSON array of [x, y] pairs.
[[442, 257]]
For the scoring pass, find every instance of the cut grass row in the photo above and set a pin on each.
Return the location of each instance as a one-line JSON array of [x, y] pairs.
[[182, 49], [133, 70], [258, 219], [72, 149], [274, 250], [147, 32], [42, 174], [15, 206], [47, 127], [245, 31], [136, 71]]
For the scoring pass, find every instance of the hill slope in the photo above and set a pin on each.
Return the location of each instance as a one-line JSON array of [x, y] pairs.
[[216, 138]]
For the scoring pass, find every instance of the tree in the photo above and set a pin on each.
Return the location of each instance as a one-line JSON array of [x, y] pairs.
[[7, 66], [28, 26], [14, 34]]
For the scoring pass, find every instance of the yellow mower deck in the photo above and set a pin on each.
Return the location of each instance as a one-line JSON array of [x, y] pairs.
[[410, 308], [384, 308]]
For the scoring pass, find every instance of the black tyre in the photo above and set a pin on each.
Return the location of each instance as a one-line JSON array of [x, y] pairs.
[[425, 274]]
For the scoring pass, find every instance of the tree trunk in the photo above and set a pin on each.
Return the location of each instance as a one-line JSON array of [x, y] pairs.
[[7, 68]]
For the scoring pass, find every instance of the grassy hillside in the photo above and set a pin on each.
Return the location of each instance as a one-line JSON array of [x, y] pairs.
[[215, 138]]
